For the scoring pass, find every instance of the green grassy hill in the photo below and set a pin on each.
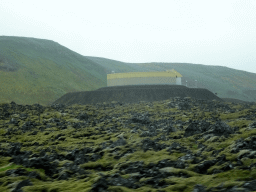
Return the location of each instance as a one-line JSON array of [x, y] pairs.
[[37, 70], [113, 65]]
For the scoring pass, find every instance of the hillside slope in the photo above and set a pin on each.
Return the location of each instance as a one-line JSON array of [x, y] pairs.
[[113, 65], [36, 70]]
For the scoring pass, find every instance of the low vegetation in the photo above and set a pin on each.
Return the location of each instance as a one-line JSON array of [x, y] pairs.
[[180, 144]]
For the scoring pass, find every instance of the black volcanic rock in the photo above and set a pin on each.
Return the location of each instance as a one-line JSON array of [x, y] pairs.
[[134, 94], [120, 145], [19, 185]]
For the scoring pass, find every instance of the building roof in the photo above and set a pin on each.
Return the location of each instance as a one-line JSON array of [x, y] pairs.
[[168, 73]]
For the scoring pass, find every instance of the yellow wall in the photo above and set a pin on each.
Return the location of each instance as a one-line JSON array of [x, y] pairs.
[[170, 73], [142, 80], [136, 78]]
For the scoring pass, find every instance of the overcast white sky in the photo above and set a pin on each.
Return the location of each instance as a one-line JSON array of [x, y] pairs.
[[209, 32]]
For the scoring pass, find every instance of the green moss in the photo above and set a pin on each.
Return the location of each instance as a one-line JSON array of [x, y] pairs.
[[77, 138], [102, 163], [4, 161], [70, 185], [10, 166], [247, 162], [239, 123]]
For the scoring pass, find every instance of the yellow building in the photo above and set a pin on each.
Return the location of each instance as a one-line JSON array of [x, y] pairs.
[[144, 78]]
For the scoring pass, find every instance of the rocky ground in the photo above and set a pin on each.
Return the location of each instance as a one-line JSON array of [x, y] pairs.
[[180, 144]]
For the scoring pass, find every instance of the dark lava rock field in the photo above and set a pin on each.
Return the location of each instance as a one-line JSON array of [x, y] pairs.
[[178, 144]]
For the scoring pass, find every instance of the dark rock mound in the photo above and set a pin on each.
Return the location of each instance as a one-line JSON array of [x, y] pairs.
[[134, 94]]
